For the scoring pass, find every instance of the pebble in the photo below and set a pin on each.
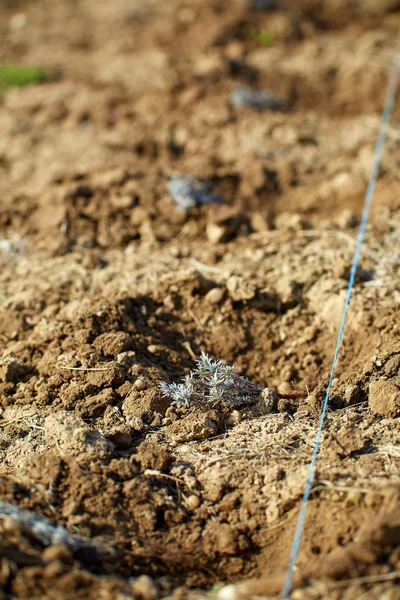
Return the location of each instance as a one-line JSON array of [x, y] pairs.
[[140, 384], [144, 588], [285, 388], [152, 349], [193, 501], [215, 233], [169, 302], [234, 418], [268, 400], [215, 295]]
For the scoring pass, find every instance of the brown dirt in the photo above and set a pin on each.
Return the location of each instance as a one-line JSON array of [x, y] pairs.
[[108, 289]]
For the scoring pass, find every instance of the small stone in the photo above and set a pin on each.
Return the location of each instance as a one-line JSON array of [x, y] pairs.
[[259, 222], [153, 349], [169, 302], [193, 501], [268, 400], [384, 397], [215, 233], [144, 588], [234, 418], [140, 384], [209, 66], [284, 388], [12, 525], [215, 295], [18, 21]]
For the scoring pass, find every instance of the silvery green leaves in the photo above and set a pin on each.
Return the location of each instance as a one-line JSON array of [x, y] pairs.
[[41, 528], [210, 382], [258, 100], [188, 191]]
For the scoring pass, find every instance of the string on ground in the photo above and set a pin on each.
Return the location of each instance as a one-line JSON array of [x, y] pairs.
[[386, 115]]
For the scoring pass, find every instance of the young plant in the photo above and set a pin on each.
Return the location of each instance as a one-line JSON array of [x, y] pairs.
[[210, 382]]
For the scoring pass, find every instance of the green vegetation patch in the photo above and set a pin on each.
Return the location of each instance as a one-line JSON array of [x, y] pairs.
[[261, 36], [12, 76]]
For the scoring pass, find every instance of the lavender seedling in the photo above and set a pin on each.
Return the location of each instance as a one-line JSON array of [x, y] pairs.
[[41, 528], [212, 381], [258, 100], [188, 191]]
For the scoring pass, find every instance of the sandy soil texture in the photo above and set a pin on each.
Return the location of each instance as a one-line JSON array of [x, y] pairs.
[[153, 207]]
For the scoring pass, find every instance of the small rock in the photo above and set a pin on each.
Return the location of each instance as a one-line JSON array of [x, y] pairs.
[[234, 418], [259, 222], [209, 66], [384, 397], [215, 295], [153, 349], [284, 388], [140, 384], [193, 502], [144, 588], [268, 400], [216, 233], [169, 302]]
